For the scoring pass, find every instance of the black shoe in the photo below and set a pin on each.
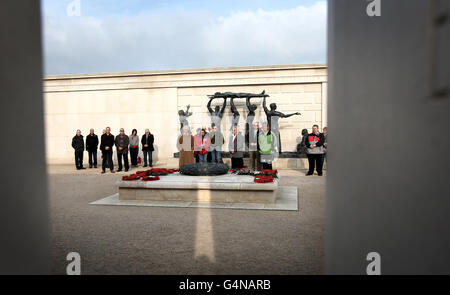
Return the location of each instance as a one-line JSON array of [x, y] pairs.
[[126, 170], [319, 174], [90, 166], [95, 166], [309, 174], [145, 166], [120, 170], [82, 168]]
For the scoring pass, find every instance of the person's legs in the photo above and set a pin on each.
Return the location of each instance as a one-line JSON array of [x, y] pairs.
[[104, 161], [135, 156], [252, 157], [235, 163], [319, 164], [76, 160], [240, 163], [132, 156], [110, 160], [90, 155], [258, 161], [81, 159], [311, 164], [145, 158], [213, 156], [119, 160], [125, 159], [218, 155], [95, 158], [266, 166]]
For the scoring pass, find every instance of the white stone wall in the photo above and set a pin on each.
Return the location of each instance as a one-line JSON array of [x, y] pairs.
[[151, 100]]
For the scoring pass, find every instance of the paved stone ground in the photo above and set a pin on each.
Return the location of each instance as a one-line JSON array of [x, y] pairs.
[[154, 240]]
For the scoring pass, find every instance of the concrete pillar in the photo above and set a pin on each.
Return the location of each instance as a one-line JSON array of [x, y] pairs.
[[23, 202], [388, 182], [324, 105]]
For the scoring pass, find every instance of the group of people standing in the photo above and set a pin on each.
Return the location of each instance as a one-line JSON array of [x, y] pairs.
[[206, 146], [261, 144], [123, 144]]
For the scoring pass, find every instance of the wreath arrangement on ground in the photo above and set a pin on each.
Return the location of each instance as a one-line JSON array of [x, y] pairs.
[[149, 175], [265, 176], [204, 169]]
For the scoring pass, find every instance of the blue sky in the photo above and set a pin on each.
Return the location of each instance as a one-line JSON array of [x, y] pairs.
[[135, 35]]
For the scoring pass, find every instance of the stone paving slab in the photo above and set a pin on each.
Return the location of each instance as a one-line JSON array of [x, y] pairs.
[[286, 200]]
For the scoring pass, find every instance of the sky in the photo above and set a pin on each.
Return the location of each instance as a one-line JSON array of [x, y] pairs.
[[142, 35]]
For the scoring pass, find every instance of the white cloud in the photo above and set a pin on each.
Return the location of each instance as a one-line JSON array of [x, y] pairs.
[[183, 39]]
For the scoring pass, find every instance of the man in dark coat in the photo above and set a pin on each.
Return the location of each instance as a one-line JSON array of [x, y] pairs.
[[122, 142], [236, 146], [147, 147], [106, 146], [78, 146], [91, 147]]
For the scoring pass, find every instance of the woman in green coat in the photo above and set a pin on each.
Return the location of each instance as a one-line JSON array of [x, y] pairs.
[[268, 145]]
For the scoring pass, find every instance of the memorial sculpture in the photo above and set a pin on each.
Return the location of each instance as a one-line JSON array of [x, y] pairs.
[[251, 110], [301, 147], [237, 95], [184, 115], [250, 117], [251, 136], [217, 113], [216, 117], [235, 113], [232, 96], [272, 119]]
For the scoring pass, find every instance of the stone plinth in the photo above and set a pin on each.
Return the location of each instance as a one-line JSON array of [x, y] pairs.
[[227, 188]]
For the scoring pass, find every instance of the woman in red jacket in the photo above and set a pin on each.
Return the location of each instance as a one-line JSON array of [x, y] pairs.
[[202, 143]]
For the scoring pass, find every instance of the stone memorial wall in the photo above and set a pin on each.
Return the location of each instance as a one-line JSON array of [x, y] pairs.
[[152, 99]]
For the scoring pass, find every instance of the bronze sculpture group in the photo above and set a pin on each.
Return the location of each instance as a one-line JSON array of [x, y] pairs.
[[217, 113]]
